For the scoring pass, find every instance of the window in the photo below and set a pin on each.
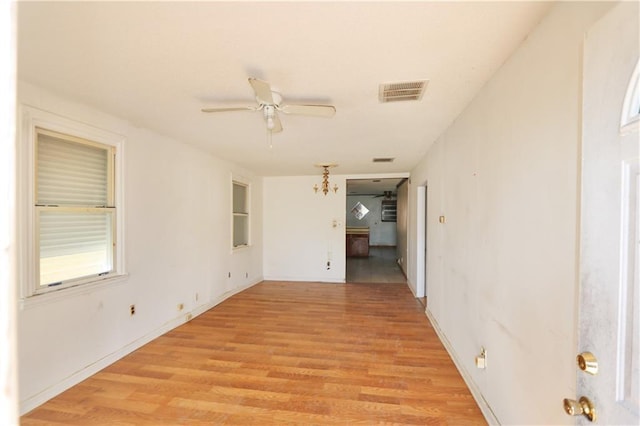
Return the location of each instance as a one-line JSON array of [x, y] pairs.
[[389, 210], [73, 215], [240, 215], [359, 210], [74, 208], [631, 105]]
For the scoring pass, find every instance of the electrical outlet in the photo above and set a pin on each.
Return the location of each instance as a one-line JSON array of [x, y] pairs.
[[132, 309], [229, 274]]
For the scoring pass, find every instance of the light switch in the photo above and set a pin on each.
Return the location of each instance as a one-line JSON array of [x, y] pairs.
[[481, 360]]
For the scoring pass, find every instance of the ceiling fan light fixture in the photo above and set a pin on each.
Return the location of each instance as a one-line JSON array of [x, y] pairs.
[[270, 118]]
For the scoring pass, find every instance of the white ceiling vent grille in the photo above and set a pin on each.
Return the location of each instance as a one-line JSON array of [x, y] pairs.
[[407, 91]]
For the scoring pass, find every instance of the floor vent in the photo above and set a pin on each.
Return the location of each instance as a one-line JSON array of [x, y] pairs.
[[407, 91]]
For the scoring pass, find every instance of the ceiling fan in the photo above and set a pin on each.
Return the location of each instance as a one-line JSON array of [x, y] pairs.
[[386, 194], [270, 103]]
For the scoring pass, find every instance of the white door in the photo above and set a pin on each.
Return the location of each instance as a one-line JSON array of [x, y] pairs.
[[609, 327]]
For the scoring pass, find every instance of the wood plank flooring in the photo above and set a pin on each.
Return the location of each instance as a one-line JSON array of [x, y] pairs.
[[282, 353]]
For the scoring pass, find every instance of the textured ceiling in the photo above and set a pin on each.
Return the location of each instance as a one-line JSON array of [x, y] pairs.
[[157, 64]]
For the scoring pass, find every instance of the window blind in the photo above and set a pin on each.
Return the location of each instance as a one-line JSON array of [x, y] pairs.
[[240, 215], [75, 222], [71, 173], [240, 231], [239, 198], [74, 245]]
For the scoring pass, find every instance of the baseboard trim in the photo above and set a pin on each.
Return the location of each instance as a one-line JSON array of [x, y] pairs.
[[488, 414], [410, 285], [88, 371], [306, 279]]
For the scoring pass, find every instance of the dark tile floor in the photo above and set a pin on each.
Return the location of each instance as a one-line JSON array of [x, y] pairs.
[[380, 267]]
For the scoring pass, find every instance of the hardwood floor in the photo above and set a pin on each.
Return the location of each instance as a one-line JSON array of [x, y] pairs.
[[282, 353]]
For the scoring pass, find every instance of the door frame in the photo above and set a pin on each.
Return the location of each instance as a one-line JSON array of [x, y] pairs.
[[421, 240]]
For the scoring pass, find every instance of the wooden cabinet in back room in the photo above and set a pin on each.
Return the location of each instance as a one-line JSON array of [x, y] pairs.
[[357, 241]]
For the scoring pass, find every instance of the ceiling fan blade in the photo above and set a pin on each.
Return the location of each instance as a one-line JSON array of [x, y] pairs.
[[227, 109], [263, 91], [316, 110]]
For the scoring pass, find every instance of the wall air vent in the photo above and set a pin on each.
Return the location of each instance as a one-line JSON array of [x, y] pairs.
[[383, 160], [407, 91]]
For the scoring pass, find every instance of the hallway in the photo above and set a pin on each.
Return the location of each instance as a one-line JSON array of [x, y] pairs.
[[380, 267]]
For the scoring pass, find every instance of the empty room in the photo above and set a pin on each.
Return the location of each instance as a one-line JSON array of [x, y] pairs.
[[239, 212]]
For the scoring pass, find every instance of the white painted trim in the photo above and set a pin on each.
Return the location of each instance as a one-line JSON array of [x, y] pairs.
[[420, 240], [69, 292], [306, 279], [409, 283], [379, 176], [488, 414], [29, 118], [627, 264], [80, 375]]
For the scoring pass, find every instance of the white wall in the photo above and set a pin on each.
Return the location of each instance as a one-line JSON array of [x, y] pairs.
[[502, 270], [299, 233], [8, 327], [178, 244], [380, 233]]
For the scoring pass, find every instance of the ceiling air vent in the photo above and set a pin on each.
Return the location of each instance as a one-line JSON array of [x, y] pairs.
[[407, 91], [383, 160]]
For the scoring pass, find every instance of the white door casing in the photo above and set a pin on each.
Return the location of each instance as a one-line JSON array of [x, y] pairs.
[[609, 236]]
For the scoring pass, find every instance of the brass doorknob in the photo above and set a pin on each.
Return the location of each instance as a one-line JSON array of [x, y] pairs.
[[582, 406], [587, 363]]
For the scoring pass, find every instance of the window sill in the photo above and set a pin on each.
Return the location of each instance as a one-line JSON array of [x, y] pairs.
[[65, 293]]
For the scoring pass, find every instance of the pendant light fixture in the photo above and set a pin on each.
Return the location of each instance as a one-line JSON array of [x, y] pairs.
[[325, 186]]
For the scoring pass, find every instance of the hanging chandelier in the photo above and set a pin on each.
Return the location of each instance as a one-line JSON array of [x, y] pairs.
[[325, 186]]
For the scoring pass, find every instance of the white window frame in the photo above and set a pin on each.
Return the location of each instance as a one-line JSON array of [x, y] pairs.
[[32, 119], [246, 214]]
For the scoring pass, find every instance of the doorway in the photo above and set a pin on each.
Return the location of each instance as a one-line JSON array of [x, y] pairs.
[[371, 231]]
